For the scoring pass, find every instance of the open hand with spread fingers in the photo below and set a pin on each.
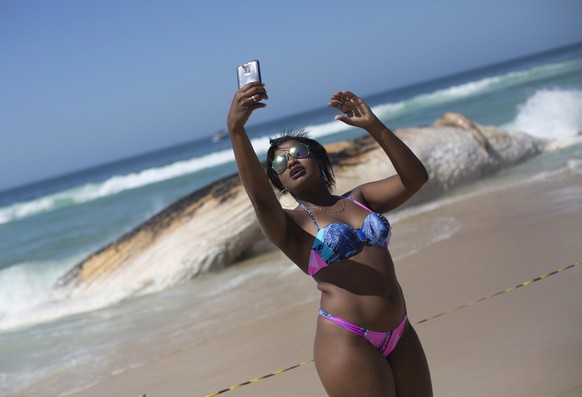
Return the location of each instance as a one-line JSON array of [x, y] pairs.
[[355, 111]]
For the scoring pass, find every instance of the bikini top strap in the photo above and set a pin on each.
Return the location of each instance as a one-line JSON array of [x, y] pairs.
[[353, 200], [310, 215]]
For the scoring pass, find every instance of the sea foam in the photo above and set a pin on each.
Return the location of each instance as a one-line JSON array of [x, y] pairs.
[[551, 114], [114, 185], [26, 285]]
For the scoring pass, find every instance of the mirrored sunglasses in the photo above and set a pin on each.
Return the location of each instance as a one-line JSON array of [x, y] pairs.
[[299, 151]]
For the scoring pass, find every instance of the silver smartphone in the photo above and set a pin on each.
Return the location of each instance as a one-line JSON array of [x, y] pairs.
[[248, 72]]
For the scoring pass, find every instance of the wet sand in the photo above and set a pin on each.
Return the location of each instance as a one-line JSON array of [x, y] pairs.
[[526, 342]]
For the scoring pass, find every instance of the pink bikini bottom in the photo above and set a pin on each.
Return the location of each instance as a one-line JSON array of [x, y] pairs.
[[385, 342]]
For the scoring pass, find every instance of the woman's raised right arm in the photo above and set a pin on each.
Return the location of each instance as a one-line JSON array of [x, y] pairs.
[[272, 218]]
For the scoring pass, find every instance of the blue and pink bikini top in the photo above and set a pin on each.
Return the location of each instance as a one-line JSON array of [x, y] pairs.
[[338, 241]]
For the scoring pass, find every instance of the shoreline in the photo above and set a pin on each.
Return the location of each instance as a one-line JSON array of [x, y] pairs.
[[520, 343]]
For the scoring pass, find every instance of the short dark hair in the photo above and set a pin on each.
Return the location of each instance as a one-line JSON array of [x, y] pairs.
[[315, 148]]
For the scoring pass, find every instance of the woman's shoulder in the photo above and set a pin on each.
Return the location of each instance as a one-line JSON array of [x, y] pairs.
[[301, 218], [295, 213], [355, 194]]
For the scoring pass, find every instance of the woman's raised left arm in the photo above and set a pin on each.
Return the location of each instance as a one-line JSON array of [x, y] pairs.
[[386, 194]]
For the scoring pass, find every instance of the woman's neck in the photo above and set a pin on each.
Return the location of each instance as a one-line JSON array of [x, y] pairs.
[[323, 198]]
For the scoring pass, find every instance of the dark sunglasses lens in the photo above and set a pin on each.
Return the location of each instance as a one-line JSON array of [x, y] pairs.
[[280, 163], [299, 151]]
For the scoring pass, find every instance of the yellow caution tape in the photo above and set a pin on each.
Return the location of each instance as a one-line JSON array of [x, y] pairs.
[[500, 292], [258, 379], [529, 282]]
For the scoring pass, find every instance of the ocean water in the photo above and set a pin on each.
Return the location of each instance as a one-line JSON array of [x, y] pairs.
[[57, 347]]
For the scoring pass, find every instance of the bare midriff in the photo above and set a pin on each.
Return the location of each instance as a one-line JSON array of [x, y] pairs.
[[363, 290]]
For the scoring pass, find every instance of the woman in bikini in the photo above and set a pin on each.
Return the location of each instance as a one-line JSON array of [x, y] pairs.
[[364, 343]]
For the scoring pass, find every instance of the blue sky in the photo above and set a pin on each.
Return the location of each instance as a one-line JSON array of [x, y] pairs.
[[85, 83]]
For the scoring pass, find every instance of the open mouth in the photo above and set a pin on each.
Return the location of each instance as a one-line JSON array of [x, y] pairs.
[[296, 172]]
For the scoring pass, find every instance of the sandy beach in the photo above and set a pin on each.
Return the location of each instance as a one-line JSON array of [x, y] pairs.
[[148, 275], [525, 342]]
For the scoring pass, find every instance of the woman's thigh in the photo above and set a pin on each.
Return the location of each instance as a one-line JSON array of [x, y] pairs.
[[410, 367], [348, 365]]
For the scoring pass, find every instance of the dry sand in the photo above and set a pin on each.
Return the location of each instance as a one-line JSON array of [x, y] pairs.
[[526, 342]]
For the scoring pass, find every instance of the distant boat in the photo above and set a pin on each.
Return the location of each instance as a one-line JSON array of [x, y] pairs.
[[219, 135]]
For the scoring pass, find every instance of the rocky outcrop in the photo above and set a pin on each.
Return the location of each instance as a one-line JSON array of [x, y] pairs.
[[214, 226]]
